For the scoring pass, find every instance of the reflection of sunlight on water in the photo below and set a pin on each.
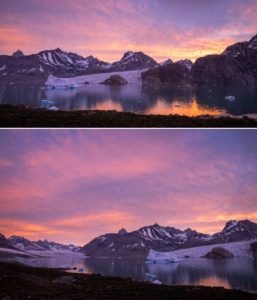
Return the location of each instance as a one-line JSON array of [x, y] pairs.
[[180, 107], [108, 105], [214, 281]]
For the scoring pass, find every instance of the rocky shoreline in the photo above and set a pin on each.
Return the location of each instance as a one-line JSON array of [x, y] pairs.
[[23, 116], [21, 282]]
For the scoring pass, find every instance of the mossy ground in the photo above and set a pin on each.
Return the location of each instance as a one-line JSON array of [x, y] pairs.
[[21, 116], [20, 282]]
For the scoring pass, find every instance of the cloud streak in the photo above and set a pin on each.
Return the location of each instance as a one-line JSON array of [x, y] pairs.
[[175, 29]]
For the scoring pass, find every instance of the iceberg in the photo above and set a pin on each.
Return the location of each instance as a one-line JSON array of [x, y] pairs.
[[47, 103], [230, 98], [53, 108], [149, 276], [160, 257]]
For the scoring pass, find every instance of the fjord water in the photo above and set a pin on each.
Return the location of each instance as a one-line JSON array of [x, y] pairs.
[[237, 273], [135, 98]]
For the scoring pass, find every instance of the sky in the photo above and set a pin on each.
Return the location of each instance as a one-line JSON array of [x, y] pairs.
[[175, 29], [74, 185]]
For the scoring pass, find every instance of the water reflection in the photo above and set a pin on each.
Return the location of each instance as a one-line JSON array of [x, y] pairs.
[[240, 273], [134, 98], [181, 107]]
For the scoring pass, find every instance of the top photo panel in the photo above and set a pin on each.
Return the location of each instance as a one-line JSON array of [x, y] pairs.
[[128, 63]]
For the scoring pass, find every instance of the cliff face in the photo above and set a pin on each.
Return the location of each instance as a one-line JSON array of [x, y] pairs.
[[221, 70]]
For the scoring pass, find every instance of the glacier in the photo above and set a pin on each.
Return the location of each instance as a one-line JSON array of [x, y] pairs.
[[132, 77]]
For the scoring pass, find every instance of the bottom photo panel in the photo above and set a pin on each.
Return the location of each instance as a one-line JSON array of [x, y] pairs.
[[128, 214]]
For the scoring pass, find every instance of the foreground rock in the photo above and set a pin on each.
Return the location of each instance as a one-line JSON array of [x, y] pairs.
[[20, 282], [219, 253], [115, 80], [22, 116]]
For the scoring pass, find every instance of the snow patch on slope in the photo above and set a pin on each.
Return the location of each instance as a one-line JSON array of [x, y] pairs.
[[239, 249]]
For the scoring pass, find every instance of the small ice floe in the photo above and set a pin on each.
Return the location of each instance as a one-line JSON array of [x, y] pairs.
[[47, 103], [64, 267], [157, 281], [152, 278], [230, 98], [149, 276], [53, 108]]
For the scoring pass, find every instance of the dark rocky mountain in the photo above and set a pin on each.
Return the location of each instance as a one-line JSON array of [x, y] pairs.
[[237, 231], [186, 63], [237, 65], [160, 238], [221, 70], [4, 243], [138, 243], [133, 61], [21, 243], [173, 74], [166, 62], [245, 53], [18, 53]]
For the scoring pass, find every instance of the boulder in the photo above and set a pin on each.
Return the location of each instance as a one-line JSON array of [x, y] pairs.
[[166, 75], [220, 70], [219, 253], [115, 80]]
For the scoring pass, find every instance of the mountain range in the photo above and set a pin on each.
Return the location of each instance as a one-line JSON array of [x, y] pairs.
[[162, 239], [66, 64], [23, 244], [139, 242], [237, 65]]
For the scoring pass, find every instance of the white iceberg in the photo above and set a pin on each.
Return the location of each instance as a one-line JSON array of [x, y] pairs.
[[55, 108], [160, 257], [149, 276], [47, 103], [157, 281]]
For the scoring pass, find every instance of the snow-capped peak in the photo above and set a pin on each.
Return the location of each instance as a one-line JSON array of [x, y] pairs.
[[253, 40], [128, 55], [229, 225]]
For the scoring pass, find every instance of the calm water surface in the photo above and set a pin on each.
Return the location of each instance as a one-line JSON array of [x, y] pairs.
[[240, 273], [134, 98]]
